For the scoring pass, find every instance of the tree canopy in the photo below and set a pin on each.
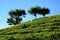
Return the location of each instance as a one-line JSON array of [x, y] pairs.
[[34, 10], [44, 11], [15, 16], [38, 10]]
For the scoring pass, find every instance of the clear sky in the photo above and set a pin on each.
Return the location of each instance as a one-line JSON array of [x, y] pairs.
[[7, 5]]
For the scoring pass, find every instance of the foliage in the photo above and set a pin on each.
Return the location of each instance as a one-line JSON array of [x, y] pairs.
[[15, 16], [38, 10], [44, 11], [34, 10]]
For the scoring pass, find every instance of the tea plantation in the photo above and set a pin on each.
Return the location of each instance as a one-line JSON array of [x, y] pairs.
[[44, 28]]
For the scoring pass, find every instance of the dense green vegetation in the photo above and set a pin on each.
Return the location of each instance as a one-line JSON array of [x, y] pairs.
[[45, 28]]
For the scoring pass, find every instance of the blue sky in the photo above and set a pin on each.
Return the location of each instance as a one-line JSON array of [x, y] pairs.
[[7, 5]]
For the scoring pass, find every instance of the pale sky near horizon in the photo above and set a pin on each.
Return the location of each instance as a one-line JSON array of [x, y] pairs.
[[7, 5]]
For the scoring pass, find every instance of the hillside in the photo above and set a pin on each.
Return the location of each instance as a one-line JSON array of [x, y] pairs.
[[45, 28]]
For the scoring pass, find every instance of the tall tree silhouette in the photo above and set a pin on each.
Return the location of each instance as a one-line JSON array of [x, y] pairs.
[[44, 11], [15, 16], [34, 10]]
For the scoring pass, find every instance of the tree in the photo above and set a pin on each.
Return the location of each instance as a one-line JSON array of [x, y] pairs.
[[44, 11], [34, 10], [15, 16]]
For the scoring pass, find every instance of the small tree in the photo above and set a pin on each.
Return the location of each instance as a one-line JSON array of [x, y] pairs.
[[15, 16], [34, 10], [44, 11]]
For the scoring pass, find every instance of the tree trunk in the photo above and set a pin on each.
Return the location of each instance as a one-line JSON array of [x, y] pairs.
[[44, 15], [17, 19], [35, 15]]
